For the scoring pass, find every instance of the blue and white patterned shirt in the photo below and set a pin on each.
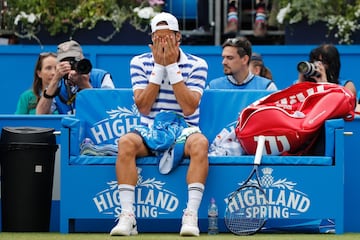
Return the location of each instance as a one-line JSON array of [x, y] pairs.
[[194, 71]]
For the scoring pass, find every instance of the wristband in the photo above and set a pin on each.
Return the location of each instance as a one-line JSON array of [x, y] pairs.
[[157, 74], [49, 96], [174, 73]]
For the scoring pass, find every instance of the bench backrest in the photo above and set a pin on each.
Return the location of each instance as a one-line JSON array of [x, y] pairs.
[[106, 114], [221, 108]]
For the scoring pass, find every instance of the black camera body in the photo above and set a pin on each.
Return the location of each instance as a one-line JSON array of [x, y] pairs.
[[308, 69], [82, 66]]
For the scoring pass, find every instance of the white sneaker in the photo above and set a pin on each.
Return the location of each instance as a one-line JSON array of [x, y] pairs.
[[189, 224], [126, 225]]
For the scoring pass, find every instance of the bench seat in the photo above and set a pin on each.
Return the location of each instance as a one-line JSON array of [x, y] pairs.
[[213, 160]]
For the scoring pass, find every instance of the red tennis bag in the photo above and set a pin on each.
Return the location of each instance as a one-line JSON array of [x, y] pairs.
[[290, 118]]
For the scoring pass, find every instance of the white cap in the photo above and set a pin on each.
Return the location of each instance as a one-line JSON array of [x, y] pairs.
[[172, 22]]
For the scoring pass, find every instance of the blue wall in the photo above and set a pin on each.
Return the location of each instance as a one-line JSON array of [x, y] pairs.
[[17, 64]]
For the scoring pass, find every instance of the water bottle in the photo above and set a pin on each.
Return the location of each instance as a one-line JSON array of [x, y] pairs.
[[213, 218]]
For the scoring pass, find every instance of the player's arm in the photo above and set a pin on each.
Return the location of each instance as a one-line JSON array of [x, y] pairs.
[[187, 99], [145, 98]]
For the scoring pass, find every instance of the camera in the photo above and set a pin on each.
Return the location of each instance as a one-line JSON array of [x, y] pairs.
[[82, 66], [308, 69]]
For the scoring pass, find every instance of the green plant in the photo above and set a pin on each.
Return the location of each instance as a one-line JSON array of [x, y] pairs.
[[345, 25], [68, 16], [87, 15], [340, 16], [28, 16]]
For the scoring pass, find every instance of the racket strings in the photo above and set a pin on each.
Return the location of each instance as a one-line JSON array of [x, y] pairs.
[[243, 226], [246, 211]]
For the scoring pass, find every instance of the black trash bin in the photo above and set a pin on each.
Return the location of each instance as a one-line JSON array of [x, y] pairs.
[[27, 170]]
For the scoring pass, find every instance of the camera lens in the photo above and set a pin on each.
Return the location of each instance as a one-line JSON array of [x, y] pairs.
[[83, 66], [308, 69], [303, 67]]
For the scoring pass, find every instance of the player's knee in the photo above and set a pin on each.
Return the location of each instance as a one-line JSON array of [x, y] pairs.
[[127, 143], [198, 144], [199, 139]]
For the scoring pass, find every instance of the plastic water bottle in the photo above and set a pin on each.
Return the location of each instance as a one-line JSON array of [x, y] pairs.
[[213, 218]]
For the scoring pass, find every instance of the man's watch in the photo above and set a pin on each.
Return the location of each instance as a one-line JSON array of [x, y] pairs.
[[48, 96]]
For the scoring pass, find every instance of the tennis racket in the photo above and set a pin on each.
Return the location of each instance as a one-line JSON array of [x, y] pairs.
[[246, 210]]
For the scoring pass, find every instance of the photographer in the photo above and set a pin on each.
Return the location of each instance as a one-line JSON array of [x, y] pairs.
[[73, 73], [324, 66]]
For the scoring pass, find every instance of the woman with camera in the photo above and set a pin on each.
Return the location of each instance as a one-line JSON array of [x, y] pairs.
[[73, 73], [324, 66]]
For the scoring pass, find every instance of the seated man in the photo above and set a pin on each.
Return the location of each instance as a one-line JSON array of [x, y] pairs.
[[236, 56], [73, 73], [164, 79]]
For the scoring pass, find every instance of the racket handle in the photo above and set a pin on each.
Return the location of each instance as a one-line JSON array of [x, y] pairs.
[[259, 149]]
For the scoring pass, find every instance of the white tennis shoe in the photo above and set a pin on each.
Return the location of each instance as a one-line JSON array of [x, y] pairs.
[[126, 225], [189, 224]]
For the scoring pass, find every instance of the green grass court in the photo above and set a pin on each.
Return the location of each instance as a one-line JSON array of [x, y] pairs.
[[175, 236]]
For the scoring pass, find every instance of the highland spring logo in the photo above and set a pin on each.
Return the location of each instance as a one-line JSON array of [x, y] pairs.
[[119, 122], [283, 199], [151, 199]]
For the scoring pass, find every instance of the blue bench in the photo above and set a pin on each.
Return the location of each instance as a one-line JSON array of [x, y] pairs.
[[300, 188]]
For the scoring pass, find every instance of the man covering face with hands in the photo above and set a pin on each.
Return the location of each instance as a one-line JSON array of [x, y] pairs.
[[168, 85]]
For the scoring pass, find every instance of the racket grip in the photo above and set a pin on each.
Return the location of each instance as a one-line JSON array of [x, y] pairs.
[[259, 149]]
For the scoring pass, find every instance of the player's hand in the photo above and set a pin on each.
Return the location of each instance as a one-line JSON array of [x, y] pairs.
[[157, 49], [171, 49]]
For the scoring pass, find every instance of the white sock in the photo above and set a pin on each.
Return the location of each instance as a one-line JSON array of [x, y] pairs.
[[127, 197], [195, 193]]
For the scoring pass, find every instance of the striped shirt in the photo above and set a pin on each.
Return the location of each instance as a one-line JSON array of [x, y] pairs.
[[194, 71]]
